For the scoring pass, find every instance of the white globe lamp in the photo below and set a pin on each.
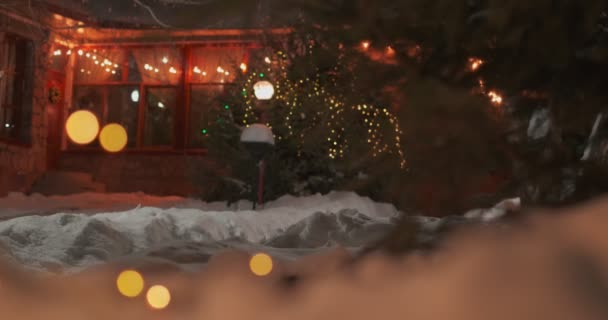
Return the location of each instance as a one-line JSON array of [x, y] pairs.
[[263, 90]]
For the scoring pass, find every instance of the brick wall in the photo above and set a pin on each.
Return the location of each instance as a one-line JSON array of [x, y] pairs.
[[159, 174], [20, 165]]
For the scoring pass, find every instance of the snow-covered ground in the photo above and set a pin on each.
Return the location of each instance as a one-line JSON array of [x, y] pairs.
[[549, 268], [79, 231]]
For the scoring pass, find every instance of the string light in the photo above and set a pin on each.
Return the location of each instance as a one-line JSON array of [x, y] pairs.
[[106, 64], [495, 98], [475, 64], [287, 93]]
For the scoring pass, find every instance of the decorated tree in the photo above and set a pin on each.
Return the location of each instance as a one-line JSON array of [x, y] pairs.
[[329, 133]]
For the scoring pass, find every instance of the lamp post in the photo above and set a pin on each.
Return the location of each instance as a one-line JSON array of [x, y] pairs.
[[258, 138]]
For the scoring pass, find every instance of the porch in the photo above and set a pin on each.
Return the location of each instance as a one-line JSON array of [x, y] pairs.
[[162, 94]]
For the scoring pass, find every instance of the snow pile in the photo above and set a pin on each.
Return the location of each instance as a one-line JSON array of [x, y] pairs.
[[497, 212], [80, 240], [540, 124], [74, 232], [257, 133]]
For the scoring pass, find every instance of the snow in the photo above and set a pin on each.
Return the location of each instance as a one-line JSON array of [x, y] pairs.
[[82, 230], [496, 212], [257, 133], [78, 231], [590, 142], [540, 124]]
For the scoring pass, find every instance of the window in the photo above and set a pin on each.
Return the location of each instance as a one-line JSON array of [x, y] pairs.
[[16, 88], [157, 66], [161, 96], [160, 108], [89, 98], [216, 65], [123, 108], [99, 65]]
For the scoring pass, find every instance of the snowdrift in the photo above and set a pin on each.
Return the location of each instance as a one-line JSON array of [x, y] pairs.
[[187, 233]]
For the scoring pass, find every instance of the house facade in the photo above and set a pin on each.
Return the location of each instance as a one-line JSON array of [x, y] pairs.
[[158, 84]]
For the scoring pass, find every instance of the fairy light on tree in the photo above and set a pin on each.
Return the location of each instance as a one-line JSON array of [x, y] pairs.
[[332, 116]]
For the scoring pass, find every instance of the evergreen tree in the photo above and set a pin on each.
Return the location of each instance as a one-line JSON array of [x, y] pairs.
[[548, 53]]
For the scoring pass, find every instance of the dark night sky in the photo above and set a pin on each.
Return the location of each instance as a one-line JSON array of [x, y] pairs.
[[214, 14]]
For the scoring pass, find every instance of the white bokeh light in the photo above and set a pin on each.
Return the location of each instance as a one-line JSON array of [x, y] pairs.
[[135, 96]]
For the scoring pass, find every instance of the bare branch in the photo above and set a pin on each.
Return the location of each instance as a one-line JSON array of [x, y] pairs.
[[152, 14], [187, 2]]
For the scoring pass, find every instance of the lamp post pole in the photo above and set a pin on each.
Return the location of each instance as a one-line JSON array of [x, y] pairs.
[[264, 91]]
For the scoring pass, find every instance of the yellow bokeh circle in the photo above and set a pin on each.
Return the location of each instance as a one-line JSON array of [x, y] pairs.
[[261, 264], [130, 283], [82, 127], [158, 297], [113, 137]]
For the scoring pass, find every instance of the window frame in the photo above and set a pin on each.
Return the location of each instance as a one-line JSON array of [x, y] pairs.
[[28, 77], [181, 124]]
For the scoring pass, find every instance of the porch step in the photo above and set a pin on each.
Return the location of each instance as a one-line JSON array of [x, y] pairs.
[[65, 183]]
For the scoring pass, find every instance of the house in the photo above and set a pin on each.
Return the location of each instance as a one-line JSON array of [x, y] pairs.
[[57, 57]]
